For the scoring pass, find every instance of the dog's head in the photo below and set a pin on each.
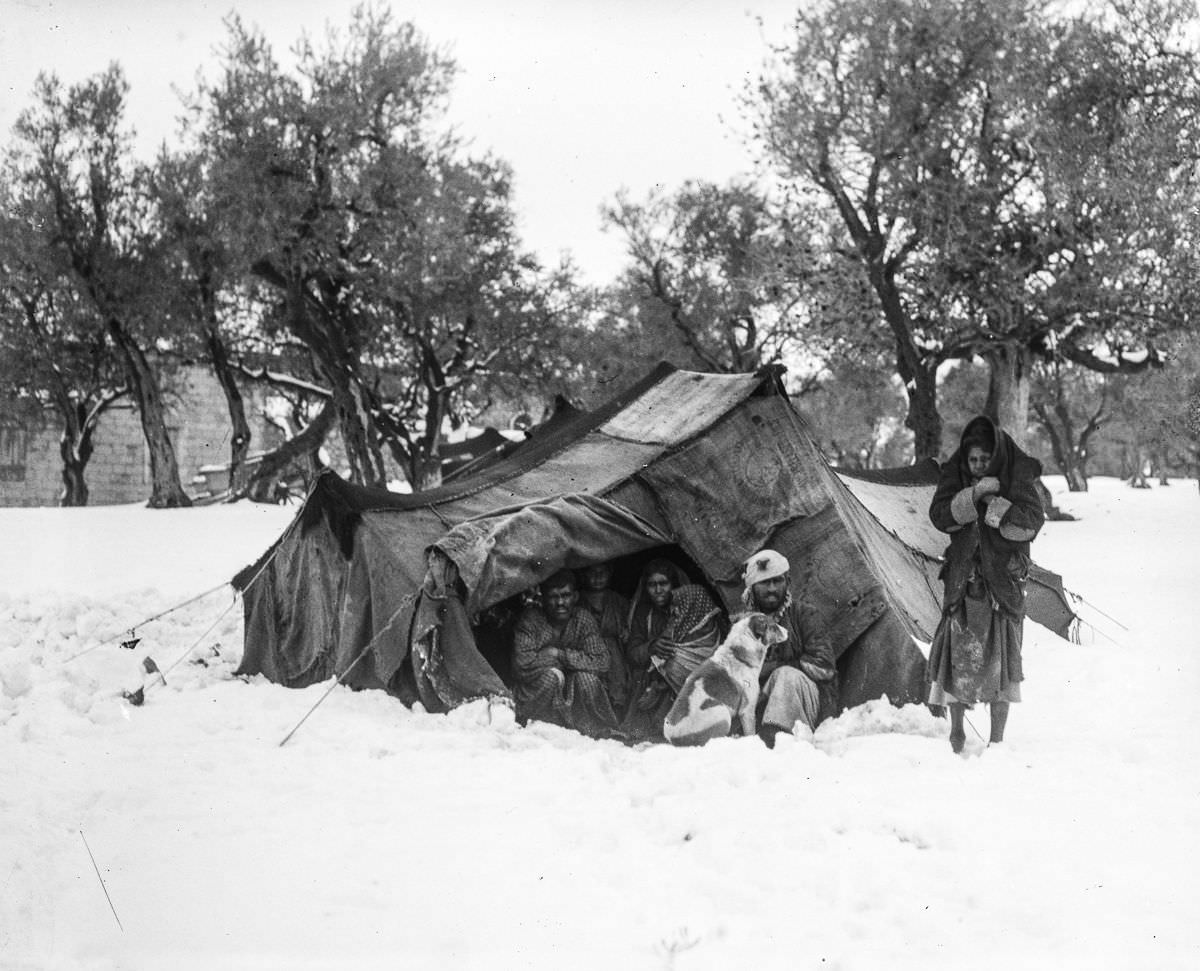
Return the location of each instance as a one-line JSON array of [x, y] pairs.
[[752, 636]]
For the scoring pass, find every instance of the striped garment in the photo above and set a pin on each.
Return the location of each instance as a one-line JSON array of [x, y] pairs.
[[559, 672]]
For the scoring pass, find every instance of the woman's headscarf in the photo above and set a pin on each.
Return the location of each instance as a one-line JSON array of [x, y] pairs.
[[979, 433], [663, 567], [691, 626], [982, 432]]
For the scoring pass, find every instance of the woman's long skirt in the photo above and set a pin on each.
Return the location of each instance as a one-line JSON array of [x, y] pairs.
[[976, 655]]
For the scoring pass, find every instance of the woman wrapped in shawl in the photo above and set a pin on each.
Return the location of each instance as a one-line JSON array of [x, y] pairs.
[[673, 626], [987, 501]]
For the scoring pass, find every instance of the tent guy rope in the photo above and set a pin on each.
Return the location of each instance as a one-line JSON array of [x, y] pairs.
[[211, 627], [148, 620], [406, 602], [1084, 600], [101, 879], [131, 630], [327, 692]]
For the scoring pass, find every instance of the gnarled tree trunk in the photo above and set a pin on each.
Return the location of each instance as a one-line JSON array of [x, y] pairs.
[[331, 339], [1137, 475], [76, 442], [353, 405], [166, 490], [239, 443], [254, 482], [923, 417], [1010, 368], [75, 446], [1070, 449], [1065, 454]]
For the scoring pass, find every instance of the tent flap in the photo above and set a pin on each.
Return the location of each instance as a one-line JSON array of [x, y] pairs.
[[500, 555]]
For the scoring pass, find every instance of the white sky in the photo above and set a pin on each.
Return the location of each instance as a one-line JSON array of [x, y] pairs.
[[582, 97]]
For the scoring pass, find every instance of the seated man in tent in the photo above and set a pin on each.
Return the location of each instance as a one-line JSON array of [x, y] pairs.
[[798, 683], [560, 660], [611, 611]]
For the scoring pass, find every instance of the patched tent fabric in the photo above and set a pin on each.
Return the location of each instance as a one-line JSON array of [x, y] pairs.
[[381, 588]]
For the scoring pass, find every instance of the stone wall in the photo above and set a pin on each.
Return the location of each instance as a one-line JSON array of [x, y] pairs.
[[29, 462], [119, 470]]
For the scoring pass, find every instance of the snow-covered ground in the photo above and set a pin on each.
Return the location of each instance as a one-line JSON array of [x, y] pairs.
[[380, 837]]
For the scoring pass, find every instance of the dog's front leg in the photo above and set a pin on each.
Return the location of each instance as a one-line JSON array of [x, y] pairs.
[[749, 709]]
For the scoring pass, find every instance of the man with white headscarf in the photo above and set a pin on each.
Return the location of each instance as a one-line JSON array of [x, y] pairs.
[[799, 678]]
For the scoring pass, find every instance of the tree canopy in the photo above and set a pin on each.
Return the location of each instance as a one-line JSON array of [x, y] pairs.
[[961, 202], [85, 196], [1011, 181], [393, 254]]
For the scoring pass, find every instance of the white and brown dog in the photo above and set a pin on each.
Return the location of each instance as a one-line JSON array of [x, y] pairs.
[[724, 688]]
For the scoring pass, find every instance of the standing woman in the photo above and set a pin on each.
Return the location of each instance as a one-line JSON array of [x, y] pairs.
[[987, 501]]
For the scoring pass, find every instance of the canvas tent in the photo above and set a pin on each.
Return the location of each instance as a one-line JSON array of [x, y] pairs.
[[384, 589]]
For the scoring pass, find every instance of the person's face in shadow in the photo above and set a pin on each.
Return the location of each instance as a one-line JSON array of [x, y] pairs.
[[658, 589], [597, 576], [557, 602], [978, 459]]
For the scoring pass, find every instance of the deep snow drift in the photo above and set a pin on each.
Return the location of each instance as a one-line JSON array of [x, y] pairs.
[[380, 837]]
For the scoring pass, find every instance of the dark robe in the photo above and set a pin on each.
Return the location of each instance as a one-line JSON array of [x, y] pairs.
[[814, 658], [611, 611], [976, 650]]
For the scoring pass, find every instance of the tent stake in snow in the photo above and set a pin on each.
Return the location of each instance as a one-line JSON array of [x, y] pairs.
[[101, 879], [196, 642]]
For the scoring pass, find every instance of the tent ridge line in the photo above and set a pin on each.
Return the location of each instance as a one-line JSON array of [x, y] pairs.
[[664, 450], [590, 422], [605, 414]]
